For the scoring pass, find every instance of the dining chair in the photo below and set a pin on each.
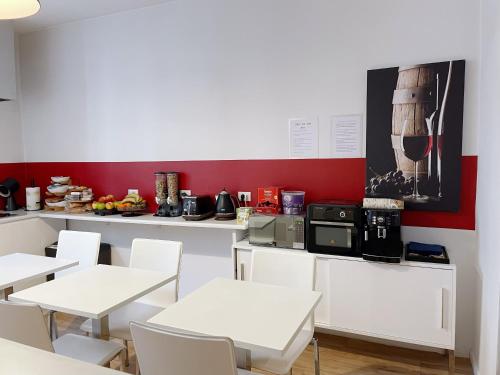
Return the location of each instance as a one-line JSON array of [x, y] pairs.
[[74, 245], [293, 270], [162, 351], [155, 255], [24, 323]]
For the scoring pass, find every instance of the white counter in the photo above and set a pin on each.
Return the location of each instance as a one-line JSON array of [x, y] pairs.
[[146, 219]]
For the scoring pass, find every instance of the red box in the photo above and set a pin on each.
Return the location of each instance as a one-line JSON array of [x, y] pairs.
[[269, 200]]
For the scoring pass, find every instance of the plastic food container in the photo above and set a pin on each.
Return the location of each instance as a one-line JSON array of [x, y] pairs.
[[293, 202]]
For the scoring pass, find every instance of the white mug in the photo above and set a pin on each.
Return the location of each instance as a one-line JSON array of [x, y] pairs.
[[33, 199]]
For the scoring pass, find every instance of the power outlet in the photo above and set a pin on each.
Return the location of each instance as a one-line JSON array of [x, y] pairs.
[[247, 196], [185, 193], [133, 191]]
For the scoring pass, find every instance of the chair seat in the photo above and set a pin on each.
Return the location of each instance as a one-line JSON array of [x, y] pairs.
[[263, 360], [119, 320], [87, 349]]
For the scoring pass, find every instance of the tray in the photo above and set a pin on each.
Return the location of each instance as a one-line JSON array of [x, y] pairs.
[[427, 258], [105, 212], [198, 217]]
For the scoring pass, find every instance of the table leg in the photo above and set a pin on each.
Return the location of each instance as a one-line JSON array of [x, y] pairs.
[[7, 292], [100, 328], [243, 358], [451, 361]]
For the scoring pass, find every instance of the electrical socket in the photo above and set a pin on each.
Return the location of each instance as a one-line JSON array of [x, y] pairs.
[[186, 193], [133, 191], [247, 196]]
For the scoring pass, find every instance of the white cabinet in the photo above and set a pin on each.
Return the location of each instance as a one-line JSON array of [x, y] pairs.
[[400, 302], [7, 62], [408, 302]]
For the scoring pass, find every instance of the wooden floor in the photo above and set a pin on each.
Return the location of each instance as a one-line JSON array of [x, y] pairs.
[[339, 355]]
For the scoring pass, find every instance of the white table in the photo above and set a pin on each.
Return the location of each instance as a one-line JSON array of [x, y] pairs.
[[19, 267], [255, 316], [94, 292], [25, 360]]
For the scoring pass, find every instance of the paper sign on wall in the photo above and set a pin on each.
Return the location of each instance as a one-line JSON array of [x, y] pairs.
[[347, 136], [303, 138]]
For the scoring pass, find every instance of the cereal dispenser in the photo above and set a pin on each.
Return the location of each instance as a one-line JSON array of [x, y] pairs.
[[167, 194]]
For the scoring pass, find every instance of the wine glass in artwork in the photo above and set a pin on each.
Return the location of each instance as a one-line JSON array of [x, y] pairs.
[[416, 145]]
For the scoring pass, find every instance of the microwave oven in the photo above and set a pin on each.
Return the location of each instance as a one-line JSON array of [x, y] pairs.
[[334, 227], [284, 231]]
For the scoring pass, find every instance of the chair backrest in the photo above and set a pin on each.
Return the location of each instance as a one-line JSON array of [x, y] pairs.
[[161, 351], [81, 246], [285, 268], [25, 324], [158, 255]]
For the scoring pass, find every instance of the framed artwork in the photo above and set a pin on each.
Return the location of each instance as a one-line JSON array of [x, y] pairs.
[[414, 134]]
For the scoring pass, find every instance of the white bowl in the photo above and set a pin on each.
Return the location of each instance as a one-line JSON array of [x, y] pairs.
[[57, 189], [56, 204], [60, 179]]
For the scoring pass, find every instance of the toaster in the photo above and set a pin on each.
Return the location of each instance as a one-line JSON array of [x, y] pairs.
[[197, 207]]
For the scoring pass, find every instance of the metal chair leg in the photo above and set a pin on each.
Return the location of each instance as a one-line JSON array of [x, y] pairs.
[[54, 334], [125, 343], [316, 356]]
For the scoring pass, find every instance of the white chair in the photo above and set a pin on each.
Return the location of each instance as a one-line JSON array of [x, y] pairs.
[[155, 255], [74, 245], [25, 324], [293, 270], [161, 352]]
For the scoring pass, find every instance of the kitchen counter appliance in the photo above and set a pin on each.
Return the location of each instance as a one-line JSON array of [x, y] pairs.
[[334, 227], [284, 231], [167, 194], [382, 235], [197, 207], [225, 207]]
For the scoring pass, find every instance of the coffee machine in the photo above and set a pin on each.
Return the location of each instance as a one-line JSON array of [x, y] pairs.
[[167, 194], [382, 235]]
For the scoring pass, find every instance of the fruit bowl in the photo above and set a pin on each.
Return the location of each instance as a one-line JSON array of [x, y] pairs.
[[131, 208], [105, 212]]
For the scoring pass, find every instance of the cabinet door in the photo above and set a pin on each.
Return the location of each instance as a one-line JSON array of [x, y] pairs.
[[322, 312], [243, 264], [7, 62], [404, 303]]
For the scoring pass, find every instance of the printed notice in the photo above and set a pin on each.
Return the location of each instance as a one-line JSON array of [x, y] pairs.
[[347, 136], [303, 138]]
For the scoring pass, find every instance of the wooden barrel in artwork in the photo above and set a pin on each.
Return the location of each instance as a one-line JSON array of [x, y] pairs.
[[413, 100]]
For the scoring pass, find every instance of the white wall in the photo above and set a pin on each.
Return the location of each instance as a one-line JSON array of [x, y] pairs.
[[225, 74], [487, 345]]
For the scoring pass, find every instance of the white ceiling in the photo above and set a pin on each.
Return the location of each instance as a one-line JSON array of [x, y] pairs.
[[55, 12]]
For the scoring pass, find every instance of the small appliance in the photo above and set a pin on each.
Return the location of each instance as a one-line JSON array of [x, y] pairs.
[[7, 189], [382, 235], [284, 231], [197, 207], [225, 208], [167, 194], [334, 227]]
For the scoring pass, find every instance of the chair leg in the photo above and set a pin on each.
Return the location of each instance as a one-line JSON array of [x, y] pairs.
[[137, 369], [125, 343], [54, 334], [316, 356]]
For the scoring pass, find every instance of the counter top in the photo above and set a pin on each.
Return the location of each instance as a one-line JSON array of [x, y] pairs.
[[245, 245], [146, 219]]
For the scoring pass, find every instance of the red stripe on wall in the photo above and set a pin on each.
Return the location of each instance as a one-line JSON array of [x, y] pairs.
[[319, 178]]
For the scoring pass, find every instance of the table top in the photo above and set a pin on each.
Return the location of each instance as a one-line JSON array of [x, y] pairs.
[[94, 292], [25, 360], [19, 267], [255, 316]]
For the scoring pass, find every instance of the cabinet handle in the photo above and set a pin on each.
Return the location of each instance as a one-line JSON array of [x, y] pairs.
[[443, 302], [242, 271]]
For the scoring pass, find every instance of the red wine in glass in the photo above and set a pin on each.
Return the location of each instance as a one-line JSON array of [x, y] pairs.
[[416, 147]]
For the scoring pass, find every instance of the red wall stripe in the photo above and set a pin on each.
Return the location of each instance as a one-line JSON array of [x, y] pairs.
[[319, 178]]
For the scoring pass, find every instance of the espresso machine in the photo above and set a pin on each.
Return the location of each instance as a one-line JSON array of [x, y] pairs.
[[168, 197], [382, 235]]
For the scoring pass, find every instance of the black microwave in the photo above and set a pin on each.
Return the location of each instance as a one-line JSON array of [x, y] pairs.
[[334, 227]]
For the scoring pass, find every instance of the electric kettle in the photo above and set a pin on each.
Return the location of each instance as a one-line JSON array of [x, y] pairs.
[[225, 208]]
